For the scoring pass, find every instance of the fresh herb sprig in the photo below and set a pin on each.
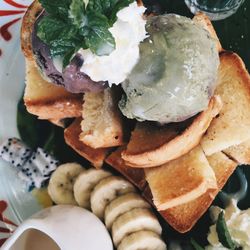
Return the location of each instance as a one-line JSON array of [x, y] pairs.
[[223, 233], [70, 25]]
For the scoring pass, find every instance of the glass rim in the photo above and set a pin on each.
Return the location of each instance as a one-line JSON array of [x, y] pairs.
[[214, 10]]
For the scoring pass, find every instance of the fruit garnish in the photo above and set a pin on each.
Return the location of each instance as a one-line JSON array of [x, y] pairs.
[[33, 167]]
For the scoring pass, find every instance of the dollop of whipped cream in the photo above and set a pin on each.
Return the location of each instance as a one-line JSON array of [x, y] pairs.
[[128, 31], [238, 223]]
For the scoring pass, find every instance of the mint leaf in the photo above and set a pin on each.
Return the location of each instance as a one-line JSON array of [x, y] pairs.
[[99, 39], [56, 8], [195, 245], [223, 233], [77, 13], [95, 6], [108, 7], [49, 28], [118, 6], [69, 26]]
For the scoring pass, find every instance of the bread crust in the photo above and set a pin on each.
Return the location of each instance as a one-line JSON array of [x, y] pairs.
[[181, 180], [95, 156], [27, 28], [135, 176], [183, 218], [231, 127], [175, 147], [49, 101], [102, 124]]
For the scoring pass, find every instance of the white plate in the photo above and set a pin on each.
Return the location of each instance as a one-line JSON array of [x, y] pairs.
[[20, 203]]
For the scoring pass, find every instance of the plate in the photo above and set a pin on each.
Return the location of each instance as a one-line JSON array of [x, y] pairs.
[[16, 204]]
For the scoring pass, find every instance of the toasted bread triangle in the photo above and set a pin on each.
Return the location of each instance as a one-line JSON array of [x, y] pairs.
[[203, 20], [181, 180], [183, 217], [143, 152], [231, 127], [102, 125], [240, 153], [135, 176], [47, 100], [95, 156]]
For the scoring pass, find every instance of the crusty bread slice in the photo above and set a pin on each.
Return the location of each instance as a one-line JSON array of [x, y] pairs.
[[231, 127], [149, 147], [182, 218], [95, 156], [181, 180], [102, 122], [240, 153], [42, 98], [27, 27], [47, 100], [58, 122], [135, 176], [203, 20]]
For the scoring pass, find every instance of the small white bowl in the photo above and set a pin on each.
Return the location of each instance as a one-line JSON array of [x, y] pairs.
[[61, 227]]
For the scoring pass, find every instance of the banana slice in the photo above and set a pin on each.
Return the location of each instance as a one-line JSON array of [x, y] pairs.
[[135, 220], [122, 205], [145, 240], [85, 183], [61, 183], [106, 191]]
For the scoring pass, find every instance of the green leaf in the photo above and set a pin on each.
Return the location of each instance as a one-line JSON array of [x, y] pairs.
[[119, 5], [70, 26], [77, 13], [223, 233], [106, 6], [99, 40], [57, 8], [49, 28], [68, 57], [195, 245], [95, 6]]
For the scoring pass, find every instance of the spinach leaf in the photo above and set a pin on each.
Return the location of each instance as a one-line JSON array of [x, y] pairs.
[[223, 233]]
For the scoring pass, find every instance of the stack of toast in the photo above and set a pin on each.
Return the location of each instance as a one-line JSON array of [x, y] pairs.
[[179, 168]]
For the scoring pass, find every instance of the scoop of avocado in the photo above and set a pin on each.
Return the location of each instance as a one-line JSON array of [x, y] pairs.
[[176, 74]]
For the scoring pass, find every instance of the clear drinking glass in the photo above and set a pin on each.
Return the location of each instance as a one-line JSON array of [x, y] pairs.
[[215, 9]]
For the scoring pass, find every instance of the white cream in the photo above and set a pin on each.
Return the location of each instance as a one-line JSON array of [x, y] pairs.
[[128, 31], [238, 223]]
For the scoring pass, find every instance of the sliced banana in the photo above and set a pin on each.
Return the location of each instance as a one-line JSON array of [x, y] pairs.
[[122, 205], [107, 190], [85, 183], [61, 183], [146, 240], [135, 220]]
